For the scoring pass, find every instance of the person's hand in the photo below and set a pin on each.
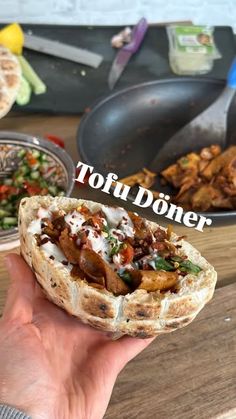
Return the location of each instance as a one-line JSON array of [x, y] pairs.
[[51, 365]]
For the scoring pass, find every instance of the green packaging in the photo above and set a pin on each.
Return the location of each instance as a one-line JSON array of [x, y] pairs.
[[192, 49]]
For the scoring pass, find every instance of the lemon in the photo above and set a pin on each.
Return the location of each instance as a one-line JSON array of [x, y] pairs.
[[12, 37]]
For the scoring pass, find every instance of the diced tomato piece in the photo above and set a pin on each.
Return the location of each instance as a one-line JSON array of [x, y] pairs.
[[4, 189], [56, 140], [31, 159], [8, 190], [32, 189], [127, 253]]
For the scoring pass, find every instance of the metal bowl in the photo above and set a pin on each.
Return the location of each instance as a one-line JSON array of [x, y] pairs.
[[10, 143]]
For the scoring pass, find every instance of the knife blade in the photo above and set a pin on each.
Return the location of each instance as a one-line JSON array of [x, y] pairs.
[[118, 66], [61, 50], [123, 56]]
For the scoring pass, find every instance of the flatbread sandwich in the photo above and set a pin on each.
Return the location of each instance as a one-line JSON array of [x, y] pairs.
[[10, 80], [111, 268]]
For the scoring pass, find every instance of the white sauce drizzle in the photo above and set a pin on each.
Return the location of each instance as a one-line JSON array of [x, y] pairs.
[[51, 249], [43, 213], [98, 242], [118, 216], [35, 225], [114, 217], [75, 221]]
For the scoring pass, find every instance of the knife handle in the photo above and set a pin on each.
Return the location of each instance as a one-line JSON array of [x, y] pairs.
[[137, 36]]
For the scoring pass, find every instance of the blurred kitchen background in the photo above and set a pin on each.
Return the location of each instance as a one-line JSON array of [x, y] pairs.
[[114, 12]]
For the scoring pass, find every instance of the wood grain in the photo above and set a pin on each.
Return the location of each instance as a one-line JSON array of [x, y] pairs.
[[4, 279], [187, 374]]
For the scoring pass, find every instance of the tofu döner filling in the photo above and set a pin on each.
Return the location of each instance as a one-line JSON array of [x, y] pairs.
[[112, 249]]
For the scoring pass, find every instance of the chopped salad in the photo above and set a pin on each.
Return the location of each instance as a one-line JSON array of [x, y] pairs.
[[36, 174]]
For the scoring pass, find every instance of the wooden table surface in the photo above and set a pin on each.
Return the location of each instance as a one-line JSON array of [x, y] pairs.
[[188, 374]]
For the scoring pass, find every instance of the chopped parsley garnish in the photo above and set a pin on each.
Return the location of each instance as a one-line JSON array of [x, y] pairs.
[[106, 229], [126, 277], [177, 259], [188, 266], [162, 264], [115, 244], [184, 161]]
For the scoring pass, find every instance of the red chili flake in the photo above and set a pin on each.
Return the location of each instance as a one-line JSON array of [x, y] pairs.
[[64, 262], [45, 240]]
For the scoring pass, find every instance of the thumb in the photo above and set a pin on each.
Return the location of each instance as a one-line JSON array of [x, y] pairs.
[[20, 296]]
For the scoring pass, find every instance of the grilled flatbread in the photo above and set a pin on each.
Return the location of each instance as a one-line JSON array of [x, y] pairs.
[[10, 79], [113, 269]]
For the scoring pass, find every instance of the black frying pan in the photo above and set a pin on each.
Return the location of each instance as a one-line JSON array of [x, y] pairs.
[[123, 132]]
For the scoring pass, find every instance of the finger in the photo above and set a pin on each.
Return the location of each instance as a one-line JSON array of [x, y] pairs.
[[126, 348], [20, 296], [38, 292]]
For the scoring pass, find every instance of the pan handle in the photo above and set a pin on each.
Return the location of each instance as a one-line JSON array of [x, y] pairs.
[[231, 79]]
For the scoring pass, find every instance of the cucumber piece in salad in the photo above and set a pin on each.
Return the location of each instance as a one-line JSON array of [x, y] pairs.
[[9, 221], [53, 190], [21, 153], [7, 181], [19, 180], [4, 213], [35, 175], [61, 193], [35, 153]]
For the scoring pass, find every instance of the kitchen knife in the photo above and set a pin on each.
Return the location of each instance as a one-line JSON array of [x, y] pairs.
[[123, 56], [61, 50]]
